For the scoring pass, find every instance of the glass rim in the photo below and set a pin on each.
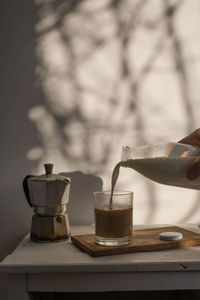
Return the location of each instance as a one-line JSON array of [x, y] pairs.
[[115, 193]]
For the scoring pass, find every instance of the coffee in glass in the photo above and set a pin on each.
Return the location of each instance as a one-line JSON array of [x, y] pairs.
[[113, 220]]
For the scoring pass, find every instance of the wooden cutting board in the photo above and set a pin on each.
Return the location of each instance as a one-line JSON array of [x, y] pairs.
[[143, 240]]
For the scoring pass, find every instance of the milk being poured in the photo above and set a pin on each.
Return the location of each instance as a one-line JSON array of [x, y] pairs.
[[165, 163]]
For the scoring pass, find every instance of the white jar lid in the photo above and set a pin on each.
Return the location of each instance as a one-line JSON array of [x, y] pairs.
[[170, 236]]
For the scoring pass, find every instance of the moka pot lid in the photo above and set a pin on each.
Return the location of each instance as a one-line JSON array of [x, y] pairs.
[[49, 176]]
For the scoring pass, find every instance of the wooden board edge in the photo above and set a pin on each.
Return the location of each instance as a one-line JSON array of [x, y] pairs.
[[82, 246], [195, 241]]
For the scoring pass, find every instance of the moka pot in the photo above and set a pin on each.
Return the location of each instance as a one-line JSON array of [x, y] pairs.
[[48, 194]]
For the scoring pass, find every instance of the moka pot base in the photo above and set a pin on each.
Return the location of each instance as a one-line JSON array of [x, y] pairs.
[[46, 229]]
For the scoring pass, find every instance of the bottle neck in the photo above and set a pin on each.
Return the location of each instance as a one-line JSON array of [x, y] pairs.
[[126, 153]]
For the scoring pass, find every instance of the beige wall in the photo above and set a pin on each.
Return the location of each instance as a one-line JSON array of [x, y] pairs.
[[75, 88], [114, 75], [17, 94]]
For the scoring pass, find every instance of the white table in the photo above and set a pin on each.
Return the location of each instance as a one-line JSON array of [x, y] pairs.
[[62, 267]]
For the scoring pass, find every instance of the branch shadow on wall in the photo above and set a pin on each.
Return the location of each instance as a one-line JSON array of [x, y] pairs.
[[71, 127]]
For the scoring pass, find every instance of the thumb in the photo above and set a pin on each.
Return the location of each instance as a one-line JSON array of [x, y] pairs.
[[192, 139]]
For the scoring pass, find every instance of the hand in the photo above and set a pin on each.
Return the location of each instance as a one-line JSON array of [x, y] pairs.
[[193, 139]]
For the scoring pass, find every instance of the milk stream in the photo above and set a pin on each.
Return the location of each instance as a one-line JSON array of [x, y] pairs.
[[115, 175]]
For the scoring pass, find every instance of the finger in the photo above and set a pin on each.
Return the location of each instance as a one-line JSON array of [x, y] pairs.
[[192, 139], [194, 172]]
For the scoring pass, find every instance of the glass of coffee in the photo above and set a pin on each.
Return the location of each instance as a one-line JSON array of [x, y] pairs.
[[113, 217]]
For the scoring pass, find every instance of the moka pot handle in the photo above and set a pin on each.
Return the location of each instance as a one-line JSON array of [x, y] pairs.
[[26, 189]]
